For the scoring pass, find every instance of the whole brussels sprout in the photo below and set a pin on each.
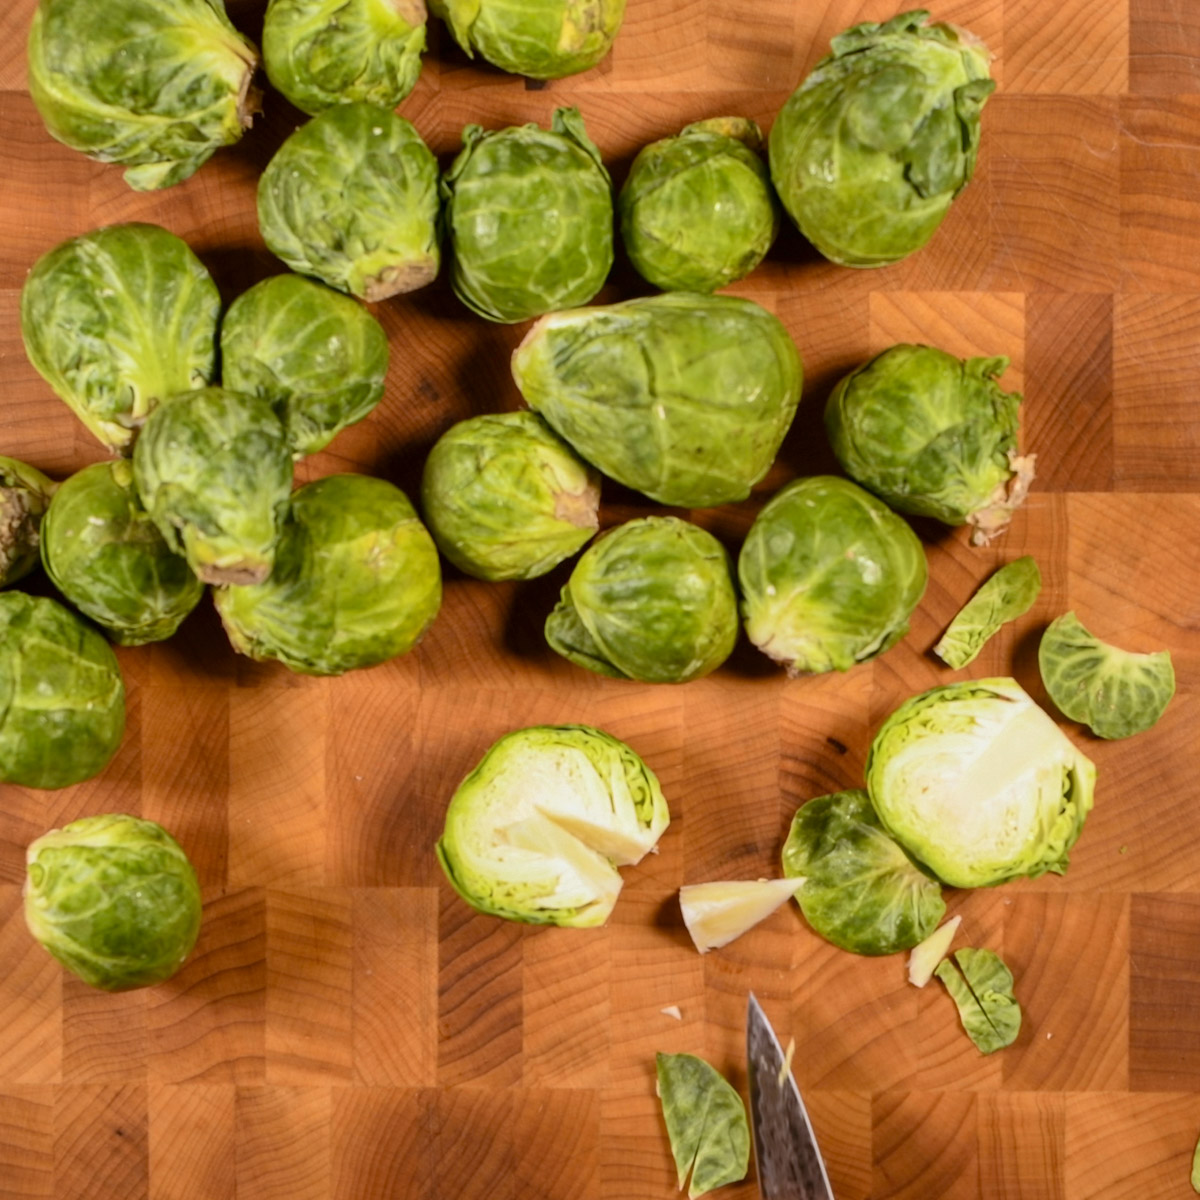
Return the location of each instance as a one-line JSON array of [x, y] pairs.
[[934, 436], [107, 557], [697, 210], [114, 899], [62, 699], [319, 53], [214, 470], [24, 496], [651, 600], [529, 213], [318, 356], [356, 581], [829, 576], [351, 198], [117, 320], [506, 498], [870, 150], [543, 39], [683, 397], [158, 85]]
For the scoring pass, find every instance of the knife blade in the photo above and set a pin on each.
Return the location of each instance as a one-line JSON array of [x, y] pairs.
[[790, 1166]]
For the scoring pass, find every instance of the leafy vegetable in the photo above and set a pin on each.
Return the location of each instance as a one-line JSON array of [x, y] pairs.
[[1009, 592], [24, 495], [982, 987], [716, 913], [1115, 692], [927, 954]]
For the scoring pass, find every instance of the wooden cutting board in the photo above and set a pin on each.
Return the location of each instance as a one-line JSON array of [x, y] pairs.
[[347, 1028]]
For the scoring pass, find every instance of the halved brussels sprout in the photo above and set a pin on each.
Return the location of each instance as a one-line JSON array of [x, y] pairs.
[[352, 198], [829, 576], [870, 150], [717, 913], [1115, 693], [158, 85], [1009, 592], [114, 899], [651, 600], [356, 581], [118, 319], [529, 214], [24, 496], [105, 554]]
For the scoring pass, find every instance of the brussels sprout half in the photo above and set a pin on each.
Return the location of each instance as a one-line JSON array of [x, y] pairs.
[[24, 496]]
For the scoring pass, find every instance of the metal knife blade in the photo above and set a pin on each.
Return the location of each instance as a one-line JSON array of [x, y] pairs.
[[790, 1166]]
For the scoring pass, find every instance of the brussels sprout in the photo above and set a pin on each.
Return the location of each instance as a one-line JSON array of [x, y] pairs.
[[529, 213], [356, 581], [717, 913], [114, 899], [506, 498], [116, 321], [319, 357], [544, 39], [1009, 592], [62, 699], [683, 397], [829, 576], [214, 470], [979, 784], [697, 210], [651, 600], [982, 987], [319, 53], [861, 891], [1115, 693], [24, 495], [351, 198], [158, 85], [870, 150], [934, 435]]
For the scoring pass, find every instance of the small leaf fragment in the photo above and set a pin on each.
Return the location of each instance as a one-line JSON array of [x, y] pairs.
[[926, 955], [1004, 596], [982, 987]]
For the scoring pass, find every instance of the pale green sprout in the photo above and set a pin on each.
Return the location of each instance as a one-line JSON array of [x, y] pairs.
[[24, 497], [1006, 595], [982, 988]]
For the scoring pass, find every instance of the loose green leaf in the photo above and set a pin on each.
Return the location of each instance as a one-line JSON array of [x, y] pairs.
[[982, 987], [24, 495], [1004, 597]]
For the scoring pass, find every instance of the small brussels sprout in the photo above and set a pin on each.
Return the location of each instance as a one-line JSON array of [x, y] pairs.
[[116, 321], [651, 600], [529, 214], [683, 397], [157, 85], [979, 784], [1115, 693], [543, 39], [24, 496], [62, 698], [982, 988], [318, 356], [829, 576], [1009, 592], [536, 831], [870, 150], [506, 498], [356, 581], [351, 198], [114, 899], [697, 210], [934, 436], [214, 470], [319, 53]]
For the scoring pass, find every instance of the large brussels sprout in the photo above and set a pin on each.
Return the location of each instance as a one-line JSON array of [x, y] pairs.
[[157, 85], [529, 214], [24, 496], [62, 699], [506, 498], [537, 830], [651, 600], [356, 581], [214, 470], [979, 784], [870, 150], [697, 210], [352, 198], [544, 39], [319, 357], [829, 576], [319, 53], [105, 554], [114, 899], [934, 435], [117, 320], [683, 397]]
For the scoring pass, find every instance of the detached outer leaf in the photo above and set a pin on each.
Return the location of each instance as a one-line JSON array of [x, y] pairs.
[[1008, 594], [982, 987]]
